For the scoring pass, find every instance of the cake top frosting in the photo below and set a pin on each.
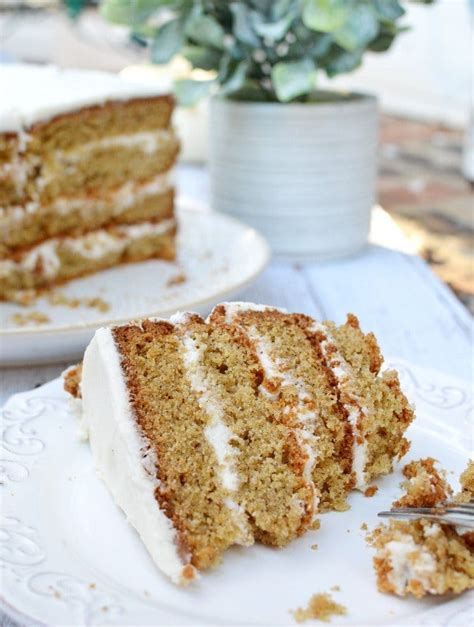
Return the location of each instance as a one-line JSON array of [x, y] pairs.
[[31, 93]]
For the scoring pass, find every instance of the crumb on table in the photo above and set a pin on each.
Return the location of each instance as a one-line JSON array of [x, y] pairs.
[[364, 527], [320, 607], [315, 525], [314, 547]]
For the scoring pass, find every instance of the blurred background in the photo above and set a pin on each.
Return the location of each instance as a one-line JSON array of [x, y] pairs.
[[424, 82]]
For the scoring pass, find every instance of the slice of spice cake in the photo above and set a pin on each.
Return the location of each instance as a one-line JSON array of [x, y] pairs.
[[420, 557], [90, 153], [330, 378], [233, 429]]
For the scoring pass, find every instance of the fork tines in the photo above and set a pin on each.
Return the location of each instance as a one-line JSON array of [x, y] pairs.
[[450, 513]]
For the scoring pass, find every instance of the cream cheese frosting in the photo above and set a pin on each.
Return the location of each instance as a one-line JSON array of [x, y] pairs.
[[409, 562], [122, 455], [276, 371], [121, 199], [57, 91], [216, 432], [91, 245], [355, 410]]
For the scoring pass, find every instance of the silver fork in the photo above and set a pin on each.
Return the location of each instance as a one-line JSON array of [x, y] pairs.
[[448, 513]]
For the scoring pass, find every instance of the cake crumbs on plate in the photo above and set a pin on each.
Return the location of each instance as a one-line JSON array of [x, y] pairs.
[[371, 491], [320, 607], [95, 302], [32, 317], [336, 588], [177, 279], [314, 547], [364, 527], [316, 524], [423, 557]]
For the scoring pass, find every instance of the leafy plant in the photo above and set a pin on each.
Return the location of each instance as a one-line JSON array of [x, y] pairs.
[[260, 49]]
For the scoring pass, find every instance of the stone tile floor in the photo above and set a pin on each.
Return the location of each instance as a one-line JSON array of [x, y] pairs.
[[422, 187]]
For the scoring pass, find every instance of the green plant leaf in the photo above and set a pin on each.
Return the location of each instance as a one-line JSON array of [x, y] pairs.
[[126, 12], [321, 45], [242, 25], [274, 31], [280, 8], [201, 57], [360, 27], [205, 30], [293, 78], [168, 40], [236, 77], [343, 61], [389, 9], [325, 15], [188, 92]]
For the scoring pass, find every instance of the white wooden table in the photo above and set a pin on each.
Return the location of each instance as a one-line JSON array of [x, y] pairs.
[[395, 295]]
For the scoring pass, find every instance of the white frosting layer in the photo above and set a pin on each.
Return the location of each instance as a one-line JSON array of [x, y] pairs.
[[147, 141], [92, 245], [120, 199], [275, 370], [355, 410], [122, 455], [233, 308], [31, 94], [408, 562], [216, 432]]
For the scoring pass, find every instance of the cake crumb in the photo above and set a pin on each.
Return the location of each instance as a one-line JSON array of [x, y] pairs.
[[61, 299], [92, 586], [438, 558], [336, 588], [316, 524], [467, 484], [178, 279], [424, 485], [371, 491], [33, 317], [314, 547], [320, 607], [364, 527]]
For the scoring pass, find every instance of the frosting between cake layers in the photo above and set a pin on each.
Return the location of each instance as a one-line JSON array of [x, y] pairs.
[[355, 410], [121, 198], [234, 308], [216, 432], [122, 455], [409, 562], [274, 370], [91, 246], [147, 141], [306, 418]]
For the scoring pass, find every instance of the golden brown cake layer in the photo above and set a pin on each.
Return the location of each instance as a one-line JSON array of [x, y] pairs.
[[248, 421], [23, 227], [60, 259]]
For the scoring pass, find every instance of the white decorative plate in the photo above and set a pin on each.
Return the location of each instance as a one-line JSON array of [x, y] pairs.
[[218, 256], [69, 557]]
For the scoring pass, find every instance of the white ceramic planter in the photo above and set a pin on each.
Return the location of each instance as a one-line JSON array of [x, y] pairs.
[[302, 174]]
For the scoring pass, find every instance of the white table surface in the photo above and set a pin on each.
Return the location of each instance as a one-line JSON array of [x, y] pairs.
[[394, 294]]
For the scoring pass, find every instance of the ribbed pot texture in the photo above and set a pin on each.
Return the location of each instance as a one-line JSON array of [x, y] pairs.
[[302, 174]]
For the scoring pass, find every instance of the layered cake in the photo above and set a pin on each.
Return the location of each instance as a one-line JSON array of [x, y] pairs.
[[421, 557], [85, 160], [235, 429]]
